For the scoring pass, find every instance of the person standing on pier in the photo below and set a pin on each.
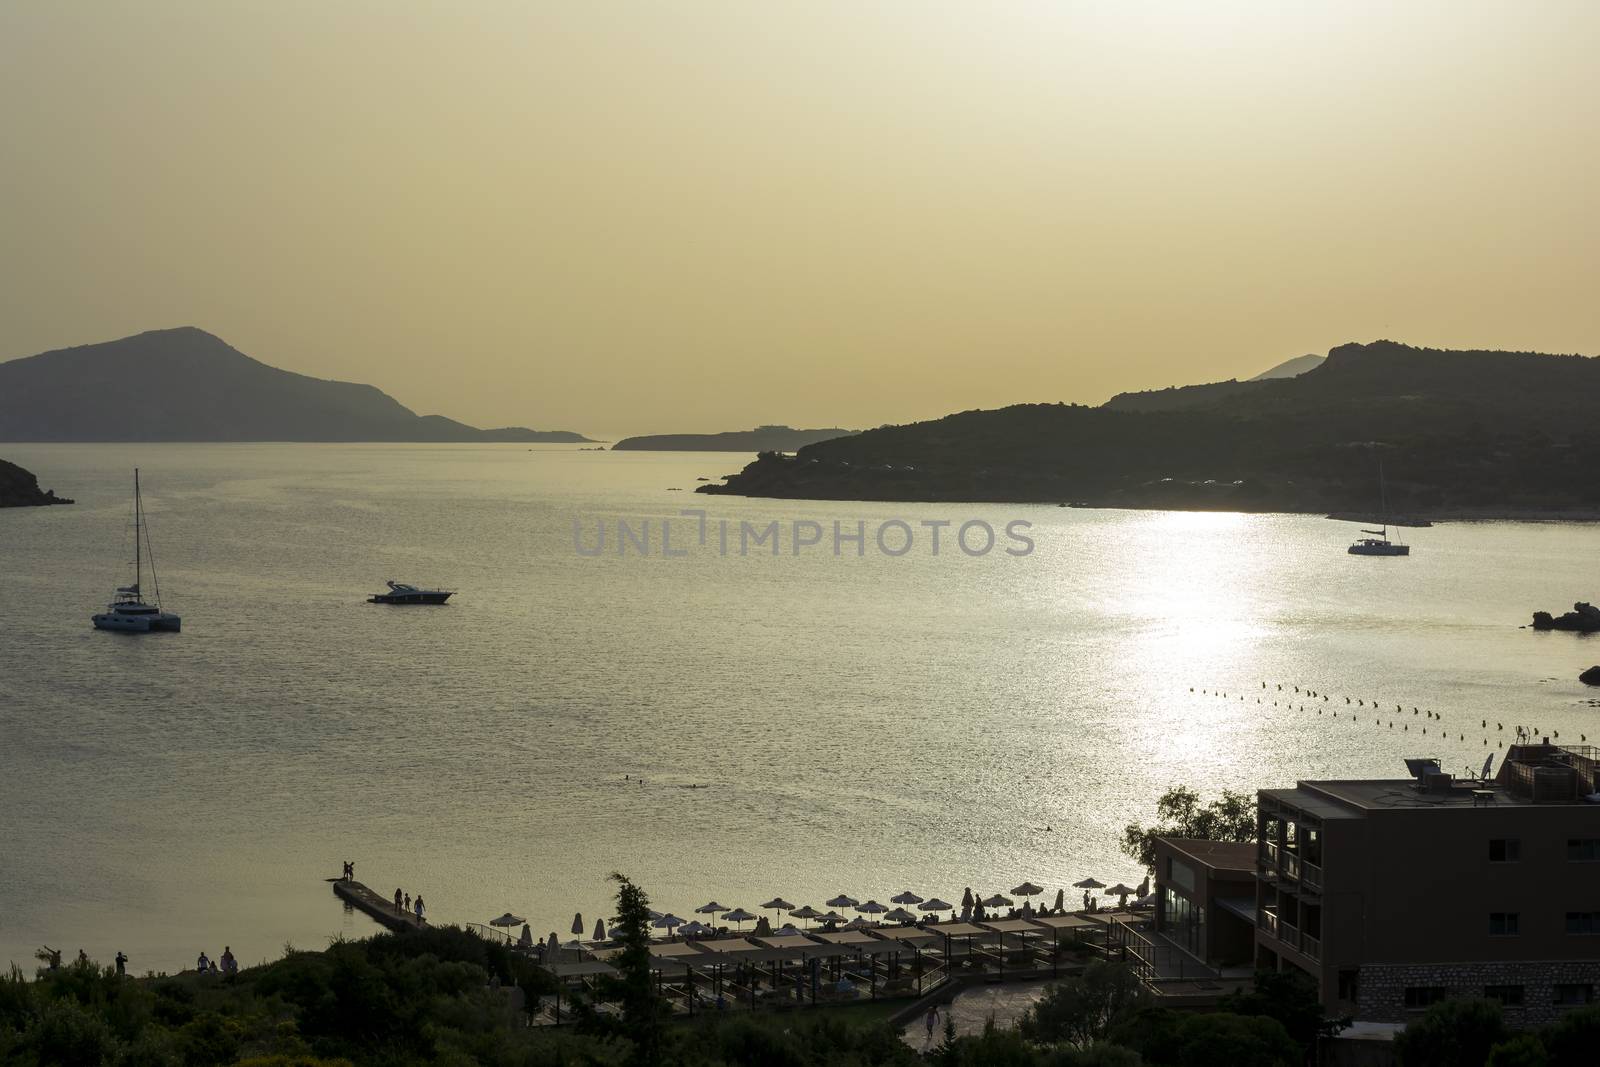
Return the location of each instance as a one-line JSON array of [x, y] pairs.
[[397, 900]]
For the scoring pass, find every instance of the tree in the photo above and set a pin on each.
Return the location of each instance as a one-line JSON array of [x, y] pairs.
[[1082, 1010], [632, 988], [1223, 1039], [1231, 817], [1524, 1050], [1291, 998], [1571, 1040], [1452, 1033]]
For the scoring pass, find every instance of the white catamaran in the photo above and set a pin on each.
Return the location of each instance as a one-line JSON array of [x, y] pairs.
[[128, 610], [1377, 542]]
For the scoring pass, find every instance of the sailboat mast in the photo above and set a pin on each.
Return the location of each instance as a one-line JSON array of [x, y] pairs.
[[138, 516], [1383, 499]]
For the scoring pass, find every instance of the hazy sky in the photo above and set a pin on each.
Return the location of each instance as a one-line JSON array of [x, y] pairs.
[[699, 216]]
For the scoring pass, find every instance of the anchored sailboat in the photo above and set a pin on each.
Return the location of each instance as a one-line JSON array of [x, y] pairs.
[[128, 610], [1377, 542]]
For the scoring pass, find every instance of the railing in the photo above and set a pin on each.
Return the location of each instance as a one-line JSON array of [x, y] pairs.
[[1269, 853], [1290, 864], [1311, 875], [1311, 946], [1288, 932], [1267, 921]]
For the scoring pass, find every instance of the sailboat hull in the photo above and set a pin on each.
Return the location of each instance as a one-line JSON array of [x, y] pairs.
[[137, 624], [1383, 548]]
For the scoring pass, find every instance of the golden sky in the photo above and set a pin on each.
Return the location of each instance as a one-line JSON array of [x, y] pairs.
[[659, 216]]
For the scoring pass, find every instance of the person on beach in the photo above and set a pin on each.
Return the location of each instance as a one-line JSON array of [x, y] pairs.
[[397, 900], [931, 1020], [229, 964], [122, 963], [83, 957], [420, 917]]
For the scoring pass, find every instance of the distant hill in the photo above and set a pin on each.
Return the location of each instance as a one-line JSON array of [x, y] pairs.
[[1178, 397], [187, 385], [20, 488], [760, 439], [1476, 433], [1292, 368]]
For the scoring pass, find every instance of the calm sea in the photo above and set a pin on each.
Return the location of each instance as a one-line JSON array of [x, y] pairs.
[[803, 725]]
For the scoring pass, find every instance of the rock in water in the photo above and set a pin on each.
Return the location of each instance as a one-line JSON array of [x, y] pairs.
[[20, 488], [1583, 618], [1590, 676]]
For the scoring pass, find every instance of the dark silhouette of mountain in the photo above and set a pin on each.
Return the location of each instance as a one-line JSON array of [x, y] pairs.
[[187, 385], [760, 439], [1292, 368], [1179, 397], [20, 488], [1473, 433]]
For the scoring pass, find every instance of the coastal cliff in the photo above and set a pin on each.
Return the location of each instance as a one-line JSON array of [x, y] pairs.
[[1470, 434], [19, 488]]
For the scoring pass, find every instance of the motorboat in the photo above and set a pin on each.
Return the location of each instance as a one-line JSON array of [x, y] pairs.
[[128, 611], [401, 593]]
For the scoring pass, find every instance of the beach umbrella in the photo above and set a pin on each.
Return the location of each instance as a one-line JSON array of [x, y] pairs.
[[842, 901], [1122, 892], [1144, 886], [526, 940], [552, 942], [966, 897], [807, 913], [859, 923], [668, 922], [1089, 883], [997, 901], [787, 930], [1061, 899], [832, 917], [1027, 889], [777, 904], [712, 908], [871, 907], [694, 928], [577, 923], [738, 915], [1146, 900], [908, 897], [899, 915], [573, 946], [508, 919], [599, 929], [935, 905]]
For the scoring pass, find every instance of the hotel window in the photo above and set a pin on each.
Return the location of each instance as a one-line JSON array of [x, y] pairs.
[[1583, 922], [1509, 996], [1350, 986], [1504, 923], [1505, 850], [1574, 993], [1425, 996], [1583, 849]]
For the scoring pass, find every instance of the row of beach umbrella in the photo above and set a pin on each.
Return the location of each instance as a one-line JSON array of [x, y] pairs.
[[901, 913]]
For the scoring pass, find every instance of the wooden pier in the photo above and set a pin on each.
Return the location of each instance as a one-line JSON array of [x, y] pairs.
[[381, 909]]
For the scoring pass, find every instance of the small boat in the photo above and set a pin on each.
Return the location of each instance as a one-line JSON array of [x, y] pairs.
[[128, 611], [1377, 542], [401, 593]]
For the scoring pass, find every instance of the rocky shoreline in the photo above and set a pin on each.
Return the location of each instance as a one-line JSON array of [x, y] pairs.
[[19, 488]]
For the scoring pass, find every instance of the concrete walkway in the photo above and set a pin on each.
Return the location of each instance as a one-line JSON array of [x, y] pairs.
[[973, 1008]]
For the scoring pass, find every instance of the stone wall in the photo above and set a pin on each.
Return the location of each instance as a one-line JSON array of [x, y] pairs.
[[1382, 988]]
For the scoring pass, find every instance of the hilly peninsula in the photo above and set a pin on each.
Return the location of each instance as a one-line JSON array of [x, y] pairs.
[[19, 488], [187, 385], [1473, 434], [760, 439]]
